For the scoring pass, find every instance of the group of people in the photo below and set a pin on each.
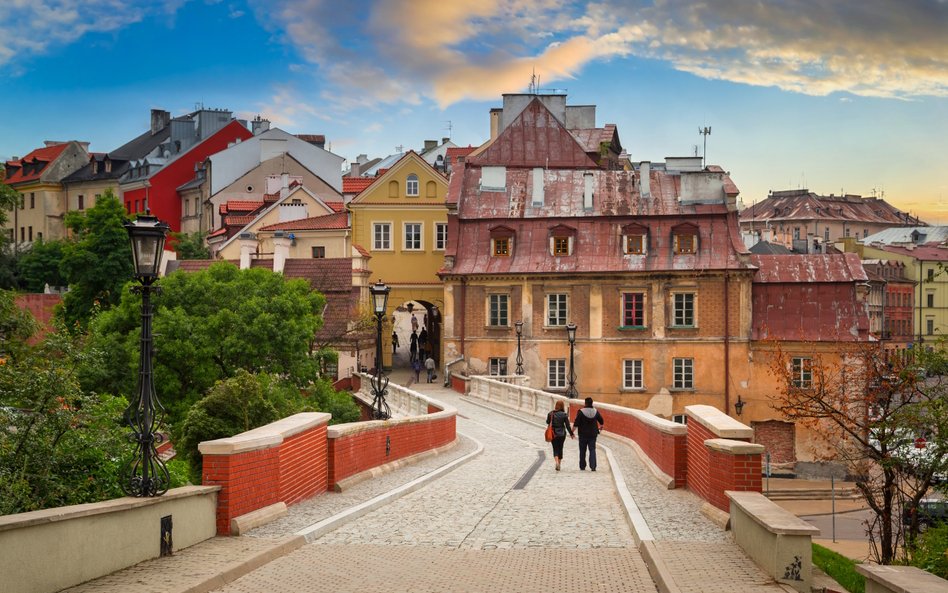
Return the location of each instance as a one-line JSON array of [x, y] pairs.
[[419, 354], [588, 423]]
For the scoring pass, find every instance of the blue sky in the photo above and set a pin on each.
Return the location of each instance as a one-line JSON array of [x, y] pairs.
[[845, 96]]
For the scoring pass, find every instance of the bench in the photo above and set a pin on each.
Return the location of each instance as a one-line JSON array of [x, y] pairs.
[[777, 540], [900, 579]]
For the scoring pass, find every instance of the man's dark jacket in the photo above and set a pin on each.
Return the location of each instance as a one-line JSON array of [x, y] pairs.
[[588, 422]]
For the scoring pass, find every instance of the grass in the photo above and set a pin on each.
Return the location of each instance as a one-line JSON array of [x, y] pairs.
[[840, 568]]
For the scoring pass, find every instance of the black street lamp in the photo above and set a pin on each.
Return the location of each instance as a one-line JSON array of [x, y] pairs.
[[519, 326], [571, 336], [380, 409], [145, 474], [739, 405]]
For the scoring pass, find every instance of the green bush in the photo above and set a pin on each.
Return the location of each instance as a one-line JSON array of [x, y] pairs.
[[930, 551], [180, 472], [840, 568]]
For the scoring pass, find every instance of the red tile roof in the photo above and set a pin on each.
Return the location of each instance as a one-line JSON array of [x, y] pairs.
[[239, 206], [362, 250], [803, 204], [242, 220], [41, 157], [337, 220], [336, 206], [356, 185], [453, 152]]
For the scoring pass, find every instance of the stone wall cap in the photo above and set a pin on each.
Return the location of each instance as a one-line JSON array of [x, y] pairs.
[[735, 447], [720, 424], [659, 424], [353, 428], [770, 515], [266, 436], [903, 579]]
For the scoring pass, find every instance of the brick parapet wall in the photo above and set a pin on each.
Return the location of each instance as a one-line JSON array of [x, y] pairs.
[[720, 456], [246, 480]]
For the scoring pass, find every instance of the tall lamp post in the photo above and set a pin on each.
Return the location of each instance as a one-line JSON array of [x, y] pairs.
[[571, 336], [380, 409], [145, 474], [519, 326]]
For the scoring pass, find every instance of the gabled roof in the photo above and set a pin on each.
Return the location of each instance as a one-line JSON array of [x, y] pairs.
[[535, 138], [791, 269], [410, 156], [356, 185], [454, 152], [32, 166], [804, 205], [768, 248], [245, 221], [338, 220]]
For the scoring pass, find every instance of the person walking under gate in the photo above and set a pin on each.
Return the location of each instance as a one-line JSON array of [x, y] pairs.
[[430, 367], [559, 420], [395, 343], [588, 424], [413, 347]]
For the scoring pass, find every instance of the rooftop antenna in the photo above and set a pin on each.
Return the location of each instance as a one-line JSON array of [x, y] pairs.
[[534, 87], [400, 149], [704, 131], [449, 127], [696, 149]]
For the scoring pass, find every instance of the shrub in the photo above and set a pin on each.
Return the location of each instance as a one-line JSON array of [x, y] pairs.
[[931, 549]]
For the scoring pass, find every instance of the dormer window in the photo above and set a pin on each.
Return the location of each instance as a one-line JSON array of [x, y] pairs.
[[685, 239], [562, 240], [634, 239], [501, 241], [411, 185]]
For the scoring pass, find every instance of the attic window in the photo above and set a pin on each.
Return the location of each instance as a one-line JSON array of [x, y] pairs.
[[501, 241], [685, 239], [494, 179], [411, 185], [562, 240], [634, 239]]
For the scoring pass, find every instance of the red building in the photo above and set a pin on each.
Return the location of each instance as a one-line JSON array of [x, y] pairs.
[[152, 182]]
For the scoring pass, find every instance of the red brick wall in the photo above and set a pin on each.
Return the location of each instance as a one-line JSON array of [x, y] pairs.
[[778, 438], [358, 452], [459, 384], [248, 481], [43, 308], [712, 472], [667, 451], [303, 465], [698, 476]]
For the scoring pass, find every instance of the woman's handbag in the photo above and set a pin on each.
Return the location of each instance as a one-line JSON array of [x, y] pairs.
[[548, 435]]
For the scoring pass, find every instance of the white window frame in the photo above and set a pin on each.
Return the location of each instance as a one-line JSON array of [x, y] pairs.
[[500, 301], [497, 366], [440, 235], [632, 374], [563, 306], [556, 373], [683, 373], [675, 310], [801, 372], [420, 236], [386, 243], [412, 179]]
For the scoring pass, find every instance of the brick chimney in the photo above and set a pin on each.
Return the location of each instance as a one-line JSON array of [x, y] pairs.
[[159, 119], [281, 251]]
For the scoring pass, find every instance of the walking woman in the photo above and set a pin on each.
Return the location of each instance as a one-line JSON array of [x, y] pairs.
[[560, 422]]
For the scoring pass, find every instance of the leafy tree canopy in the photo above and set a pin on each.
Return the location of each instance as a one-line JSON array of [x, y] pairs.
[[208, 325], [191, 245], [39, 266], [98, 263]]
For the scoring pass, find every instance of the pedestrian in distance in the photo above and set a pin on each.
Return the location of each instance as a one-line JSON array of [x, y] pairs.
[[416, 366], [395, 343], [559, 420], [588, 423], [414, 323], [430, 367], [413, 347]]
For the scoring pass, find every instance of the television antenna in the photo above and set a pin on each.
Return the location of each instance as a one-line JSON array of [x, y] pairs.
[[704, 131], [449, 127]]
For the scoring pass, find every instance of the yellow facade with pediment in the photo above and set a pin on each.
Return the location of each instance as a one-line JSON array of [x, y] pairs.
[[402, 222]]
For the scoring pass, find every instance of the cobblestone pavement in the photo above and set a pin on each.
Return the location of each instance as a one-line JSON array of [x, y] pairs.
[[703, 567]]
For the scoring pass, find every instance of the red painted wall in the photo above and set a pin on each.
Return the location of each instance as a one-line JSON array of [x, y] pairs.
[[163, 198]]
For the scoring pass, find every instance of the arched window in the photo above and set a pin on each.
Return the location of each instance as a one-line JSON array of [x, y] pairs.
[[411, 185]]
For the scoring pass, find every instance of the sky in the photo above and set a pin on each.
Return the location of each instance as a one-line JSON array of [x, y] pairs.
[[849, 96]]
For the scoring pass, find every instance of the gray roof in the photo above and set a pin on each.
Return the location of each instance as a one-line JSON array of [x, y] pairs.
[[768, 248], [927, 234], [137, 148]]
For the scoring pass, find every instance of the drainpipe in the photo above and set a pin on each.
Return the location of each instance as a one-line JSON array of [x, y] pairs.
[[727, 350], [462, 310]]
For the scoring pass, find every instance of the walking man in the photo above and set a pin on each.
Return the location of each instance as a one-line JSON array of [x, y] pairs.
[[395, 343], [588, 423], [430, 366]]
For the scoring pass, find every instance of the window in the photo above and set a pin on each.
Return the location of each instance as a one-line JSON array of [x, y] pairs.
[[412, 236], [686, 243], [826, 234], [382, 235], [498, 305], [501, 246], [680, 418], [319, 251], [931, 299], [632, 374], [537, 198], [865, 233], [441, 235], [498, 366], [633, 309], [931, 274], [556, 309], [22, 234], [801, 371], [796, 233], [411, 185], [556, 373], [634, 244], [684, 373], [846, 232], [587, 191], [684, 309], [560, 245], [493, 178], [187, 208], [930, 326], [82, 202], [30, 233], [32, 200]]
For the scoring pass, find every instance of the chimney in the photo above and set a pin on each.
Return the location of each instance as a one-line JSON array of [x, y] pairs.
[[355, 169], [645, 179], [248, 246], [362, 159], [281, 251], [259, 125], [285, 187], [445, 140], [430, 144], [159, 119]]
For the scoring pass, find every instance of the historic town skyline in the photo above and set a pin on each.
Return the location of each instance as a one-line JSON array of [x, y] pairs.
[[846, 99]]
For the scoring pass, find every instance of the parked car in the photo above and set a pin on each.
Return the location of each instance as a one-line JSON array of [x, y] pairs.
[[930, 512], [918, 453]]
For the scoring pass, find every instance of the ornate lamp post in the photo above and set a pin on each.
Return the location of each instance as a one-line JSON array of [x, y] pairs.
[[519, 326], [571, 336], [380, 409], [145, 474]]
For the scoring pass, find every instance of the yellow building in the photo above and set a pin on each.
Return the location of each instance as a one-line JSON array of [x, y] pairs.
[[402, 221]]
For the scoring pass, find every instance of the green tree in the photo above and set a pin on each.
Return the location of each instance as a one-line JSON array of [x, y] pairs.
[[98, 263], [40, 265], [209, 325], [16, 327], [191, 245], [9, 199]]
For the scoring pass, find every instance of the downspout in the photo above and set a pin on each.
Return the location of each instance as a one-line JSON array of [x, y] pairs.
[[727, 349], [462, 310]]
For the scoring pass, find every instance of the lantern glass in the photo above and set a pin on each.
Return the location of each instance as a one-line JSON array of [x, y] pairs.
[[380, 292], [519, 326], [571, 332], [147, 235]]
